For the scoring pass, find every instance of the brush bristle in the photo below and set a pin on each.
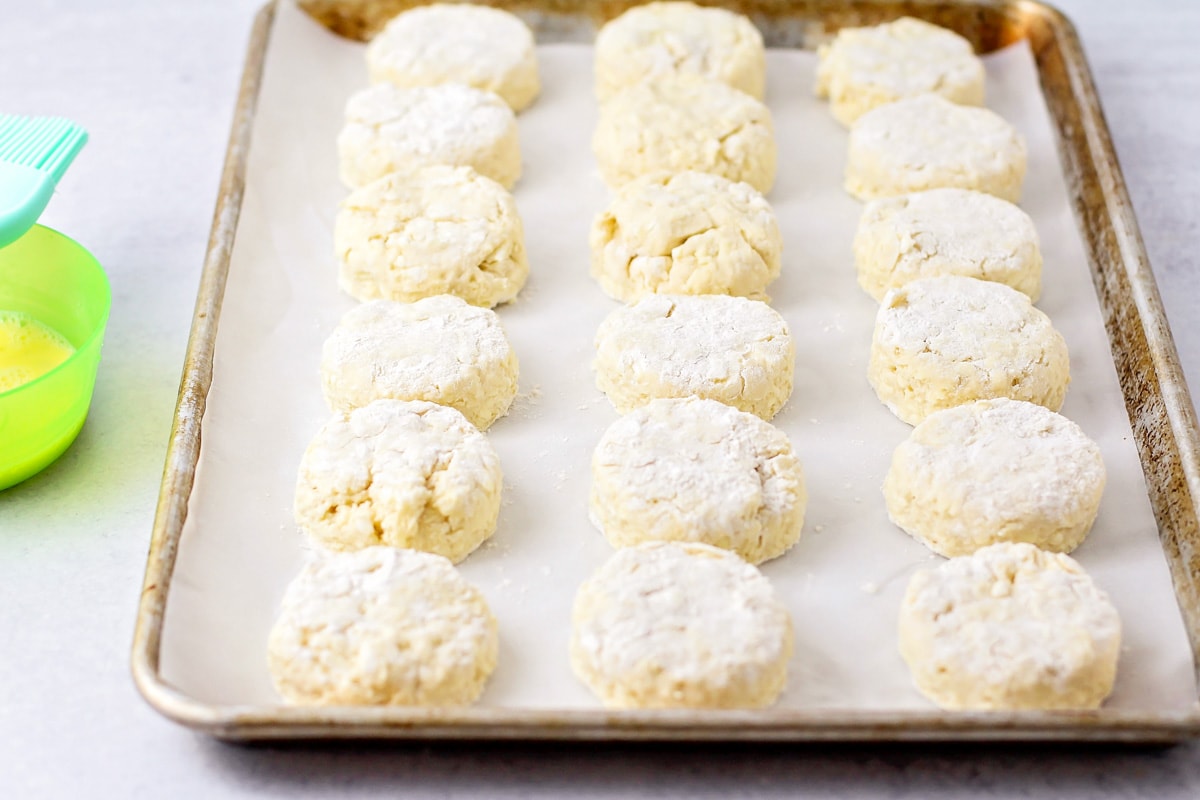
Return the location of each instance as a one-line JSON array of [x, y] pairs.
[[64, 152], [48, 144]]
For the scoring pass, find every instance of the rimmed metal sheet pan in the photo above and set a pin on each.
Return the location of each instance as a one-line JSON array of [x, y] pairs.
[[1159, 406]]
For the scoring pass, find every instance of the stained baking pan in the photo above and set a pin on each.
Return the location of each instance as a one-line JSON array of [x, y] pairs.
[[223, 546]]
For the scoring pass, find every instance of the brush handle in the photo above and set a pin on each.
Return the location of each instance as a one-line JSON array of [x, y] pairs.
[[24, 193]]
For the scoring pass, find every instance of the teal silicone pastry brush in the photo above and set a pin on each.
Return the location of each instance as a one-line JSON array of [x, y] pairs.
[[34, 154]]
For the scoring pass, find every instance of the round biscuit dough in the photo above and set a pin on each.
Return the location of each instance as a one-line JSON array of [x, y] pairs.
[[483, 47], [927, 142], [382, 626], [695, 470], [942, 342], [402, 474], [686, 233], [730, 349], [663, 39], [389, 129], [439, 349], [685, 123], [675, 625], [864, 68], [1011, 627], [995, 471], [433, 230], [946, 232]]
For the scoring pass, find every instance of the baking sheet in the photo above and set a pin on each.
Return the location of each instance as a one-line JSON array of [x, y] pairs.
[[843, 581]]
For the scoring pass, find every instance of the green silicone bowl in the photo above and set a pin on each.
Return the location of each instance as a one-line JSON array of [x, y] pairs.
[[57, 282]]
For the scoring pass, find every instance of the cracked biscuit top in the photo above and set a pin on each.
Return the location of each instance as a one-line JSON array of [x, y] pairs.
[[431, 230], [390, 129], [686, 233], [946, 232], [1010, 627], [695, 470], [927, 142], [730, 349], [486, 48], [680, 625], [400, 473], [658, 40], [382, 626], [685, 122], [438, 349], [864, 68], [942, 342]]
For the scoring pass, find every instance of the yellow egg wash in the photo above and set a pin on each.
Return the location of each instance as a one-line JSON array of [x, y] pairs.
[[28, 349]]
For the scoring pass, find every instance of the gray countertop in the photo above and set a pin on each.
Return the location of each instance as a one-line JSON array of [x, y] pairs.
[[154, 83]]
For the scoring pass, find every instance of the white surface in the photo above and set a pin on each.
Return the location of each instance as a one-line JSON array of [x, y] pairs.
[[842, 583], [155, 82]]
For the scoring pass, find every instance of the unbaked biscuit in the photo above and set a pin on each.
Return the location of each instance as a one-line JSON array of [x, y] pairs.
[[439, 349], [483, 47], [686, 233], [946, 232], [863, 68], [432, 230], [695, 470], [730, 349], [382, 626], [403, 474], [685, 122], [942, 342], [995, 471], [661, 39], [390, 129], [671, 625], [1010, 627], [927, 142]]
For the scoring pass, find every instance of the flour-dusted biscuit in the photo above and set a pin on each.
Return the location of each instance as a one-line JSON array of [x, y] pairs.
[[389, 129], [1010, 627], [400, 473], [695, 470], [483, 47], [680, 625], [927, 142], [995, 471], [685, 122], [686, 233], [946, 232], [382, 626], [658, 40], [439, 349], [942, 342], [863, 68], [431, 230], [730, 349]]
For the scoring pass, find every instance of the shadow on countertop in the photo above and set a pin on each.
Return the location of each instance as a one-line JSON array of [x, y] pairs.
[[511, 770]]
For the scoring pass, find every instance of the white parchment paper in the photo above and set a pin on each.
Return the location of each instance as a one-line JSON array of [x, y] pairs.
[[843, 582]]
